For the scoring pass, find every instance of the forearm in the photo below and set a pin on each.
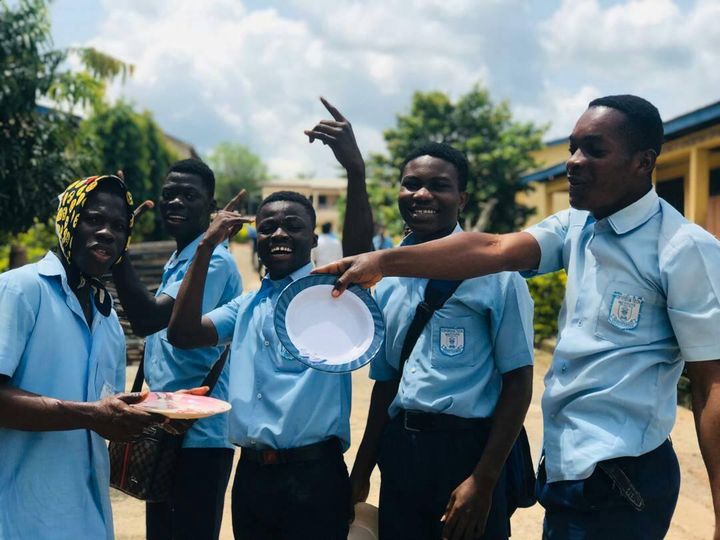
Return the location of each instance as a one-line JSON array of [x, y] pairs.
[[462, 256], [507, 421], [706, 410], [26, 411], [142, 309], [383, 393], [186, 328], [358, 223]]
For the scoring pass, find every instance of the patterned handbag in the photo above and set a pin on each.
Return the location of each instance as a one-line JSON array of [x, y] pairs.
[[145, 467]]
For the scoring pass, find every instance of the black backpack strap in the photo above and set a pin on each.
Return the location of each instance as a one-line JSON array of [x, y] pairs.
[[437, 293], [139, 376], [212, 377]]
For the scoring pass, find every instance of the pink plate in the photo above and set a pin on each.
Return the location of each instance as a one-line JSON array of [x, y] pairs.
[[182, 406]]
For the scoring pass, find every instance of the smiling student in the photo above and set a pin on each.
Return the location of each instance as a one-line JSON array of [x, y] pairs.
[[441, 425], [642, 303], [62, 364], [292, 422], [205, 460]]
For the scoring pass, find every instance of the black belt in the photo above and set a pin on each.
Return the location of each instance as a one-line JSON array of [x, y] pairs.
[[425, 421], [312, 452]]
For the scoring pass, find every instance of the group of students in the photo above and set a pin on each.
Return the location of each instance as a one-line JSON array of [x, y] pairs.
[[642, 301]]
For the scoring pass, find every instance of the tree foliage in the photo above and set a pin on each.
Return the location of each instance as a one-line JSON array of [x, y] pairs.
[[236, 167], [39, 154], [498, 149], [123, 139]]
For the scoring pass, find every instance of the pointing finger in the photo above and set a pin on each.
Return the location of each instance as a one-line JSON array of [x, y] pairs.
[[145, 206], [332, 110], [229, 207]]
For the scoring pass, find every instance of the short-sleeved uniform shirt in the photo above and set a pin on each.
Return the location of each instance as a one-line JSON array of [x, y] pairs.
[[55, 484], [277, 401], [642, 296], [483, 331], [168, 368]]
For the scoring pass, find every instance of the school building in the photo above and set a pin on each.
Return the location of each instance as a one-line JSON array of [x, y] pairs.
[[323, 193], [687, 174]]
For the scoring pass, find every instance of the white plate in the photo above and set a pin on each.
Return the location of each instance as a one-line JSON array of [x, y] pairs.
[[326, 333]]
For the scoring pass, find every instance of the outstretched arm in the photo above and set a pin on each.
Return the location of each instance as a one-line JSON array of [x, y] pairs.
[[705, 389], [338, 134], [188, 329], [111, 417], [457, 256]]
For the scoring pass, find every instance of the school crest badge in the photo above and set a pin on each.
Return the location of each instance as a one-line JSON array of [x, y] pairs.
[[452, 341], [625, 310]]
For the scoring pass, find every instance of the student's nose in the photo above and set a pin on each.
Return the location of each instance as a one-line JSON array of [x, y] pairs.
[[574, 161], [423, 193]]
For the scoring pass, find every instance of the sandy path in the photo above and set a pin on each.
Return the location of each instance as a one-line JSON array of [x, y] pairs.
[[693, 518]]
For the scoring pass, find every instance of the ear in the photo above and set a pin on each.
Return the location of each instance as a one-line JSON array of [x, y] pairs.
[[213, 205], [646, 162], [315, 239], [463, 200]]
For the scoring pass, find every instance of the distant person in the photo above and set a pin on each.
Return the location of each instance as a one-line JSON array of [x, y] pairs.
[[381, 240], [328, 248], [195, 508], [62, 366], [642, 303]]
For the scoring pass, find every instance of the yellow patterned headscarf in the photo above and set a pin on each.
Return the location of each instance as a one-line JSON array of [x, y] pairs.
[[72, 201]]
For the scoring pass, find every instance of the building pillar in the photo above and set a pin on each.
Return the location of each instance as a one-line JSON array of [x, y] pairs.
[[697, 186]]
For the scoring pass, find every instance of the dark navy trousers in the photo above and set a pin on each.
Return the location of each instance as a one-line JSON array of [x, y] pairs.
[[596, 508], [195, 511], [420, 469]]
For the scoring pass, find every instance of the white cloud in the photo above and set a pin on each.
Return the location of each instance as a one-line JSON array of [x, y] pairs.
[[223, 70]]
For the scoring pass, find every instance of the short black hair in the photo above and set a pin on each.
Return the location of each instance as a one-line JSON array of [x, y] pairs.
[[326, 227], [291, 196], [643, 125], [196, 168], [445, 152]]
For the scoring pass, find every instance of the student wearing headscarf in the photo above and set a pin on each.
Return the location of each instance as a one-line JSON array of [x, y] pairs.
[[62, 364]]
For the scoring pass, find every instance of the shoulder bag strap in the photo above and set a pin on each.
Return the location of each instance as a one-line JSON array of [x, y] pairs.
[[437, 293]]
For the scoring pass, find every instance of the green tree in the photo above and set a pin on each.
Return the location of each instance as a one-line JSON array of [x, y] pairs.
[[498, 149], [123, 139], [39, 154], [236, 167]]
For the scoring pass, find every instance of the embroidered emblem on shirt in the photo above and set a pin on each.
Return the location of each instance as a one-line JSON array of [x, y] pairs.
[[452, 341], [625, 310]]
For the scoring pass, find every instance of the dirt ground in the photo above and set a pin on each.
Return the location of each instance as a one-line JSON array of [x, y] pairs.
[[693, 519]]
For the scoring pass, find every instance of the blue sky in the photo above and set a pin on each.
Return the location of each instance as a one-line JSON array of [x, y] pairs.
[[250, 72]]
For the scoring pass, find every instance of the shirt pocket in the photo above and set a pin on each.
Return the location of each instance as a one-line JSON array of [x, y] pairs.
[[632, 315], [286, 362], [452, 342]]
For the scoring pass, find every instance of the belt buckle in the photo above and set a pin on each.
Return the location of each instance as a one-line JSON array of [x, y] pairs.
[[405, 423], [270, 457]]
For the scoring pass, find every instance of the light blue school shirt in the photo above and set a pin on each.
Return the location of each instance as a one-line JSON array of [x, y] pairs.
[[277, 401], [642, 296], [168, 368], [483, 331], [55, 485]]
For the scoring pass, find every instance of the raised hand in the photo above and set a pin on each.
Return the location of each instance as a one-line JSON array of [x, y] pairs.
[[115, 419], [338, 134], [142, 208], [227, 222], [364, 270]]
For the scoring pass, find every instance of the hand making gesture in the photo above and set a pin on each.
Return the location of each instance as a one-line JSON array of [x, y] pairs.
[[338, 134], [227, 222]]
